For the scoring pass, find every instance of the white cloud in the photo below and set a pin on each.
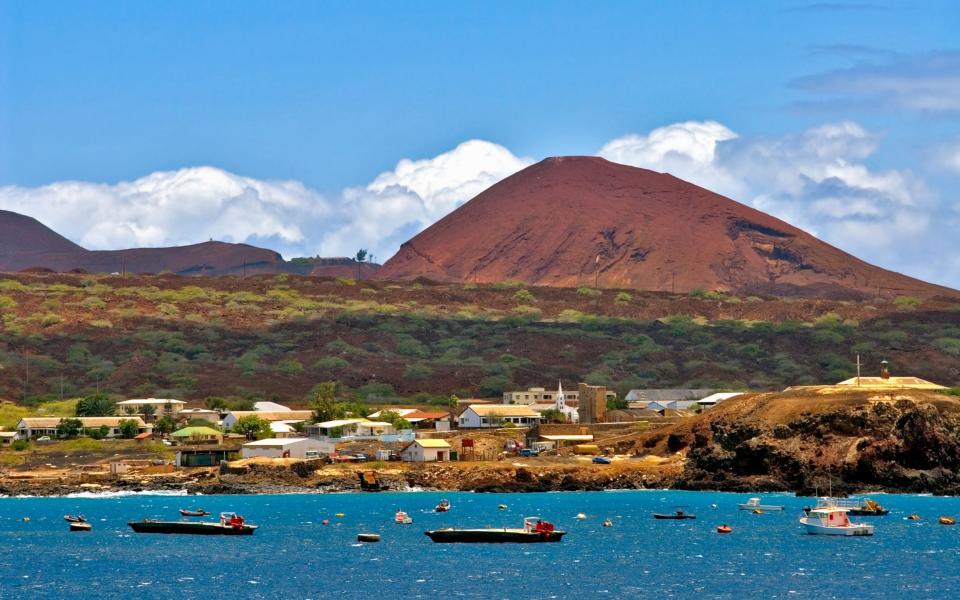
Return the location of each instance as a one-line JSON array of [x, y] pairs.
[[817, 180], [192, 205]]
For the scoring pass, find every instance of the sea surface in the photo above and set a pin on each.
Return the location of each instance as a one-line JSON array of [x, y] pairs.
[[293, 555]]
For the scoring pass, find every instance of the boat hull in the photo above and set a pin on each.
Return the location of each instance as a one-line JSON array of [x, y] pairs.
[[852, 530], [80, 526], [184, 527], [493, 536], [763, 507], [674, 517]]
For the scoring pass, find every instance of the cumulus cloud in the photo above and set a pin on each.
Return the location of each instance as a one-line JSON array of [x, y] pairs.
[[928, 83], [817, 179], [195, 204], [172, 208]]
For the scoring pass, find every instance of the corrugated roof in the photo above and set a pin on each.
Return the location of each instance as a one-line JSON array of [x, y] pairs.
[[906, 382], [280, 415], [51, 422], [568, 438], [150, 401], [276, 442], [503, 410], [337, 423], [429, 443], [196, 432]]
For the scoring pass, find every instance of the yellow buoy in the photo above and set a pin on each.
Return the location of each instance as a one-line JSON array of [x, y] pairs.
[[339, 515]]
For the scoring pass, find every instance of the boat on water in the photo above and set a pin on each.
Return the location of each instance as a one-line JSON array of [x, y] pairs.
[[443, 506], [858, 507], [833, 520], [724, 529], [753, 504], [402, 518], [74, 518], [368, 537], [677, 516], [607, 523], [80, 526], [947, 521], [535, 530], [193, 513], [229, 524]]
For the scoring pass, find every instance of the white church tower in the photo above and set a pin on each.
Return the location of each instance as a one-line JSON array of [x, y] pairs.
[[571, 414]]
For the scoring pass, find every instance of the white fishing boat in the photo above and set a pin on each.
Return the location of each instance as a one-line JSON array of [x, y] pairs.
[[402, 518], [832, 520], [754, 504]]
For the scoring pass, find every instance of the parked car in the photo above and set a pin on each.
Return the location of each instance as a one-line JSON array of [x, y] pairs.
[[528, 452], [601, 460], [43, 438]]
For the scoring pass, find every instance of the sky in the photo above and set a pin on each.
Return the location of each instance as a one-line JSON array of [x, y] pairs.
[[320, 128]]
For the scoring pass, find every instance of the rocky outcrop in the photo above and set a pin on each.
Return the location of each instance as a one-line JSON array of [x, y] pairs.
[[902, 443]]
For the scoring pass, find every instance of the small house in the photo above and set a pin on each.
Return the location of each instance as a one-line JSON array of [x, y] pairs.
[[426, 450], [497, 415], [198, 435], [233, 416], [7, 438], [159, 406], [286, 448]]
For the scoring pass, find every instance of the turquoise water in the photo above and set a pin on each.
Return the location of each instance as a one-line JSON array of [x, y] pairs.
[[293, 556]]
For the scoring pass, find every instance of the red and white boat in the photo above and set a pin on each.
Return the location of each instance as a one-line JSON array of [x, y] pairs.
[[402, 518], [833, 520]]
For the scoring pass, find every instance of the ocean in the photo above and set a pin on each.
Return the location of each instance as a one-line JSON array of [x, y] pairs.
[[293, 555]]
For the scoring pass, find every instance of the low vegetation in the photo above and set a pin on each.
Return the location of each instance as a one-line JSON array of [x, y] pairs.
[[231, 341]]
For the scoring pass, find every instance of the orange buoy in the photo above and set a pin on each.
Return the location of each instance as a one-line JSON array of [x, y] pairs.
[[724, 529]]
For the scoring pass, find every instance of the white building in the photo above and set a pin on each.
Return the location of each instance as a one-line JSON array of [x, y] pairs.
[[497, 415], [714, 399], [570, 413], [269, 407], [350, 428], [161, 406], [34, 427], [233, 416], [286, 448], [199, 413], [426, 450]]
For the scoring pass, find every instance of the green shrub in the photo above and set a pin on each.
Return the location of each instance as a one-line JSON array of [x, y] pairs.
[[20, 445], [622, 298], [7, 302], [947, 345], [331, 363], [588, 291], [907, 302], [417, 371], [50, 319], [524, 297], [495, 385], [289, 366], [508, 284], [101, 324]]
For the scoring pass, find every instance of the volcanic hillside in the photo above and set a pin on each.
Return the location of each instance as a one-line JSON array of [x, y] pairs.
[[548, 224], [27, 243]]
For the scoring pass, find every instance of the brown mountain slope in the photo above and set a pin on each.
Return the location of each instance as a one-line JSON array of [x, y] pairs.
[[26, 243], [547, 225]]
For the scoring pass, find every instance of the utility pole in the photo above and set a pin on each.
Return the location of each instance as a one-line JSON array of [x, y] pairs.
[[858, 369]]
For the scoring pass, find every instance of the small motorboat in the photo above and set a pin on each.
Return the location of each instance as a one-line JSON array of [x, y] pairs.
[[193, 513], [724, 529], [535, 530], [339, 515], [74, 518], [753, 504], [502, 506], [402, 518], [947, 521], [677, 516], [80, 526], [607, 523], [580, 516], [368, 537], [913, 517], [860, 507], [833, 521], [229, 524], [601, 460], [443, 506]]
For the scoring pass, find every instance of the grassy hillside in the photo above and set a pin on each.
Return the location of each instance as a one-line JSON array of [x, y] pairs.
[[269, 337]]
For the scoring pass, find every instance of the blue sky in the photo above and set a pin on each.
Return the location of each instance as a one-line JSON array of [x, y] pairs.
[[332, 96]]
